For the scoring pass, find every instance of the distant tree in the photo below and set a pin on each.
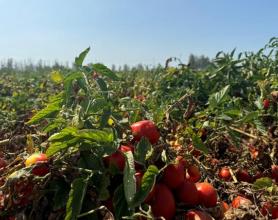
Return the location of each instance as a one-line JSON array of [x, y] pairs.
[[126, 68], [113, 67]]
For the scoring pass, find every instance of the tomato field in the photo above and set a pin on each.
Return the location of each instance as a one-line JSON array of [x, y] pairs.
[[169, 142]]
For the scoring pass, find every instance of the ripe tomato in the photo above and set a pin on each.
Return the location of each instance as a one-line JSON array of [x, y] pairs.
[[187, 193], [149, 198], [274, 213], [243, 175], [145, 129], [225, 174], [197, 215], [207, 194], [163, 202], [34, 158], [138, 177], [240, 200], [41, 169], [266, 208], [173, 175], [126, 148], [193, 174], [3, 163], [117, 159], [266, 103], [274, 172]]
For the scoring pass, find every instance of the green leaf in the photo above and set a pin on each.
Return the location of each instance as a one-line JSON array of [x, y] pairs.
[[101, 136], [76, 196], [79, 60], [61, 193], [55, 148], [250, 117], [148, 182], [97, 105], [129, 177], [65, 133], [49, 110], [198, 144], [219, 97], [262, 183], [141, 150], [103, 87], [105, 71], [120, 203], [233, 112]]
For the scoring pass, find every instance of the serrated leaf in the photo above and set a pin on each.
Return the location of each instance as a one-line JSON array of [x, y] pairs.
[[79, 60], [148, 182], [198, 144], [105, 71], [262, 183], [129, 177], [141, 150], [76, 196]]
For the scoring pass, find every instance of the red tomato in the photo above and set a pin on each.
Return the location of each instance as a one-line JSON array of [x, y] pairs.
[[145, 129], [41, 169], [117, 159], [207, 194], [244, 176], [266, 103], [126, 148], [274, 172], [34, 158], [193, 174], [150, 196], [240, 200], [173, 175], [197, 215], [225, 174], [187, 193], [163, 202], [266, 208], [138, 178], [274, 213]]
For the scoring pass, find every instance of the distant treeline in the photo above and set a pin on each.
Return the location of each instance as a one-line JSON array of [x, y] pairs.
[[11, 65]]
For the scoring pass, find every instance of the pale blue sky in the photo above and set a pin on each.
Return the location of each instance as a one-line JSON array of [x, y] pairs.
[[133, 31]]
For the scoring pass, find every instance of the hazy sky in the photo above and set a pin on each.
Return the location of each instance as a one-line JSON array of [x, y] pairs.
[[133, 31]]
